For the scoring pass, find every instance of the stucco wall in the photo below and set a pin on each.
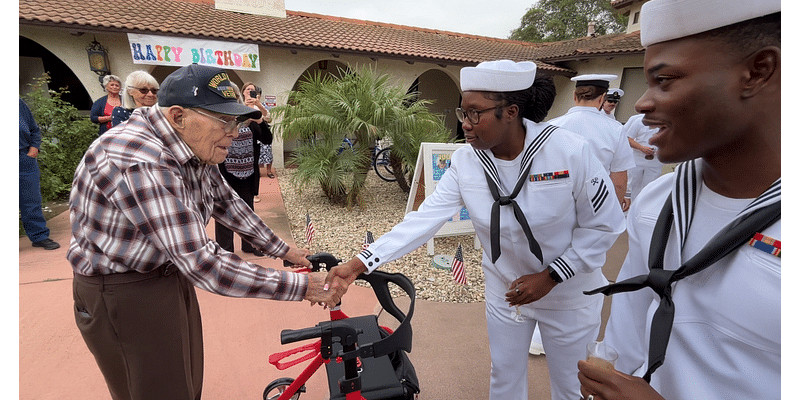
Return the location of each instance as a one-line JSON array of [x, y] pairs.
[[565, 88], [280, 68]]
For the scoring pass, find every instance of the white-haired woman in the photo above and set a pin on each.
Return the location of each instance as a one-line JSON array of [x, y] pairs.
[[104, 106], [141, 90]]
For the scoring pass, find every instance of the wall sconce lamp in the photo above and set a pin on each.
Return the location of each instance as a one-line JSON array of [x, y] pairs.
[[98, 59]]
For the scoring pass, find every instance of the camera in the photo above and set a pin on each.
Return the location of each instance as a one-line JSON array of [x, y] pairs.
[[253, 94]]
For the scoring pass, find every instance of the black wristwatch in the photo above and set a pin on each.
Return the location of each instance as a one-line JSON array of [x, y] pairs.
[[554, 275]]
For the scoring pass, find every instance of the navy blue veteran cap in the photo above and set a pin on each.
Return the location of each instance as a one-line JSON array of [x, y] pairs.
[[203, 87]]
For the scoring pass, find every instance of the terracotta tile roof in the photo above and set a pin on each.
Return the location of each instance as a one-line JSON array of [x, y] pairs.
[[606, 45], [199, 18], [618, 4]]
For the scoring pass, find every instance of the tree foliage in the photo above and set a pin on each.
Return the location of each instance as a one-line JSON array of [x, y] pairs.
[[66, 134], [362, 106], [556, 20]]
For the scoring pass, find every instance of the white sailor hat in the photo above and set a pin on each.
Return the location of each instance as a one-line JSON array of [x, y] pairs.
[[664, 20], [600, 80], [498, 76]]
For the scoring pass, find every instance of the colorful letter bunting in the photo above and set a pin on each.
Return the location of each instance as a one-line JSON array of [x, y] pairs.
[[177, 52]]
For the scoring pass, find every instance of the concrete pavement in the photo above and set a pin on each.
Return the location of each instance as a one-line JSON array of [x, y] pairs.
[[450, 350]]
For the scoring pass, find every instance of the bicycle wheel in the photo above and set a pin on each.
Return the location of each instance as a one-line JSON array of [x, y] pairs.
[[276, 388], [382, 166]]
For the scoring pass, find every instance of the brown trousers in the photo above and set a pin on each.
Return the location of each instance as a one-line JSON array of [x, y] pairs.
[[145, 333]]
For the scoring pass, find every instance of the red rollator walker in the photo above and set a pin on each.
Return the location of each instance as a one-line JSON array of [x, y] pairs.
[[364, 361]]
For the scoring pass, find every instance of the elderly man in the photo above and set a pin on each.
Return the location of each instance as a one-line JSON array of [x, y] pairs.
[[139, 207], [698, 314]]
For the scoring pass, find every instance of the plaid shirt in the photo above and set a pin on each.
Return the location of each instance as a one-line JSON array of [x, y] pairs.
[[141, 199]]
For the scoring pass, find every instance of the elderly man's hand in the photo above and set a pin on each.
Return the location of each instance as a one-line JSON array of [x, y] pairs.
[[298, 257], [318, 292]]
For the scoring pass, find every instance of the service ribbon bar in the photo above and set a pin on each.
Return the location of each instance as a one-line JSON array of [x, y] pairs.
[[547, 176], [766, 244]]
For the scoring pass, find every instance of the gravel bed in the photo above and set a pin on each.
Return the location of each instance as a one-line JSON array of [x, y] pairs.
[[341, 232]]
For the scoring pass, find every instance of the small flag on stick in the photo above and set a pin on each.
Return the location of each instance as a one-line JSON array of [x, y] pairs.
[[309, 230], [368, 239], [458, 267]]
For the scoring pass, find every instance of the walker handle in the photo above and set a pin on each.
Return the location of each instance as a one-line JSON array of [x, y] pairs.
[[318, 260], [296, 335]]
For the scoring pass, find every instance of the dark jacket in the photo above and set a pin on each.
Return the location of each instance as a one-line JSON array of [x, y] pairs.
[[98, 108]]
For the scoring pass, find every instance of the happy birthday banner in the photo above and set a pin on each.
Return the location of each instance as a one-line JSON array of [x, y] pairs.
[[177, 52]]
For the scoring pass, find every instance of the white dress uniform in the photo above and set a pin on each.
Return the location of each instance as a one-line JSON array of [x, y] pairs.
[[646, 170], [604, 134], [569, 204], [726, 337]]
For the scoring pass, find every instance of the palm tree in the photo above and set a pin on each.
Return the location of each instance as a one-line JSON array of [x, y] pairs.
[[361, 106]]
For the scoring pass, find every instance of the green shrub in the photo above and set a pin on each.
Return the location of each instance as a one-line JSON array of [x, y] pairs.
[[66, 134], [363, 106]]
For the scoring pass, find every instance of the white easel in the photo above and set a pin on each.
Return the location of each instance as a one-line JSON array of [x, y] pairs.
[[432, 161]]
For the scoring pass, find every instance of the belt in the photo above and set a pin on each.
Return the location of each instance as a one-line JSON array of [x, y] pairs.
[[128, 277]]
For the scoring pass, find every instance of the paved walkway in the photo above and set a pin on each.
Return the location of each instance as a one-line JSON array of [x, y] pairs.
[[450, 341]]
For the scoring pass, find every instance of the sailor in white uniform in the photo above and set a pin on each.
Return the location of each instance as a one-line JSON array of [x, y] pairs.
[[612, 100], [697, 309], [648, 167], [609, 108], [604, 134], [538, 259]]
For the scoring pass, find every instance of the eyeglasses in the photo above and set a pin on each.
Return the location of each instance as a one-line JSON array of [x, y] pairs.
[[144, 90], [474, 116], [612, 101], [227, 125]]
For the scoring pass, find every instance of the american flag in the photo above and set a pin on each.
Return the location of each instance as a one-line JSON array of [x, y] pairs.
[[458, 267], [368, 239], [309, 230]]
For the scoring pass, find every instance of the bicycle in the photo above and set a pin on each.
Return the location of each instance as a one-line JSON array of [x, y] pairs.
[[356, 345], [381, 160], [346, 144]]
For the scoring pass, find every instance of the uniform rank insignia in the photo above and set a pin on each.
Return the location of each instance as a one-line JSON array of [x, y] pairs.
[[598, 194], [766, 244], [547, 176]]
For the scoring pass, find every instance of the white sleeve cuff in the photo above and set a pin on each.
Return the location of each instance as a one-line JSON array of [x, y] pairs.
[[370, 259]]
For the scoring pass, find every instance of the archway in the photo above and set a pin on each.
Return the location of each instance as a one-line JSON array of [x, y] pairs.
[[330, 67], [438, 87], [34, 60]]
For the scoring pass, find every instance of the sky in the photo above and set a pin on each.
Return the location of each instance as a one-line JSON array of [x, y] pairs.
[[484, 18]]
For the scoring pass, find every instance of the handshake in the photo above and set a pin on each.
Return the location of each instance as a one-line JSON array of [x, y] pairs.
[[328, 288]]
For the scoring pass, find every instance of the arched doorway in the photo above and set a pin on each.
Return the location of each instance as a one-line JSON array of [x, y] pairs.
[[35, 60], [329, 67], [438, 87]]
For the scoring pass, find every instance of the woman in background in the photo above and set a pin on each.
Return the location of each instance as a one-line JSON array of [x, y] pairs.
[[141, 90], [104, 106], [240, 170], [251, 95]]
